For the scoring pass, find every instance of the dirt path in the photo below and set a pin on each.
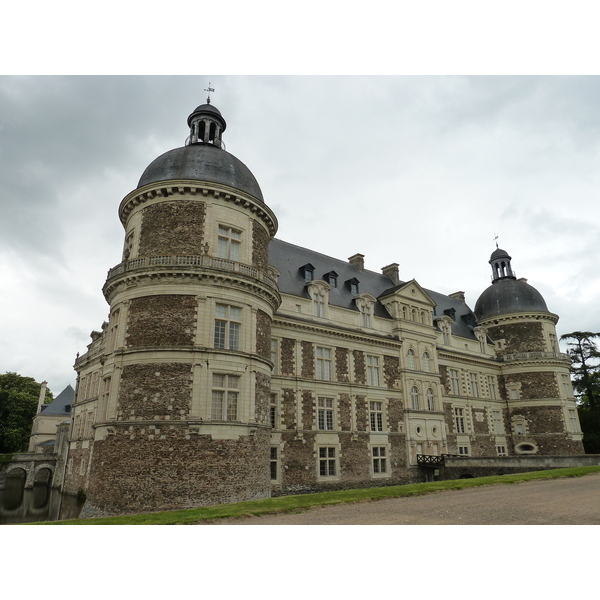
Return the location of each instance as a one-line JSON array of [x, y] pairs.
[[569, 501]]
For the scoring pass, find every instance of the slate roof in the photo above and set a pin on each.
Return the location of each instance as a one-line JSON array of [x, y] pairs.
[[59, 404], [289, 259]]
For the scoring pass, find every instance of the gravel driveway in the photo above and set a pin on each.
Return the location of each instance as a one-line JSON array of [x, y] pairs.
[[568, 501]]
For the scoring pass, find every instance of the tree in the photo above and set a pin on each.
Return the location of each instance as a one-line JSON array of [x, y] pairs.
[[19, 398], [584, 368]]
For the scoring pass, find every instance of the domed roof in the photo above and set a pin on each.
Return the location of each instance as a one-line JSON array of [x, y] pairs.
[[499, 253], [506, 296], [204, 162]]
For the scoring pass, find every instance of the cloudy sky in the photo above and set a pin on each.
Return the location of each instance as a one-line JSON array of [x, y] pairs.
[[424, 171]]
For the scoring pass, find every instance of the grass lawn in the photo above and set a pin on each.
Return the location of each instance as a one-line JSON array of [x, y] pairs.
[[307, 501]]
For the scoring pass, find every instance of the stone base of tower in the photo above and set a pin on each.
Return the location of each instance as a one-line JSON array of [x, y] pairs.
[[165, 466]]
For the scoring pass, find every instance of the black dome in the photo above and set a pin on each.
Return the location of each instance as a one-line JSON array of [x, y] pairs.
[[204, 162], [506, 296]]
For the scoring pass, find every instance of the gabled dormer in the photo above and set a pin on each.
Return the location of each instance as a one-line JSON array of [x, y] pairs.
[[409, 303]]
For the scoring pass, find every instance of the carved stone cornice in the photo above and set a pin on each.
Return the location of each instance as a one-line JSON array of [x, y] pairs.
[[166, 189]]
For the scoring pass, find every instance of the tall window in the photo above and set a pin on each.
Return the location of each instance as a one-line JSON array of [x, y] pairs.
[[459, 420], [492, 386], [325, 414], [454, 382], [430, 399], [227, 327], [114, 329], [225, 394], [573, 421], [273, 411], [319, 304], [474, 384], [426, 362], [274, 463], [327, 461], [273, 355], [376, 416], [410, 359], [414, 397], [323, 363], [379, 460], [497, 421], [567, 387], [229, 243], [373, 370]]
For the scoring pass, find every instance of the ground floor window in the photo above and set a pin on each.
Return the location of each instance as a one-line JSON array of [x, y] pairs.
[[463, 450], [501, 450], [327, 461], [379, 459], [274, 463]]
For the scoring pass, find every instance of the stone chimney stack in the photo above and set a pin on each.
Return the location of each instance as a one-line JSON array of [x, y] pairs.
[[42, 396], [358, 260], [392, 272], [458, 296]]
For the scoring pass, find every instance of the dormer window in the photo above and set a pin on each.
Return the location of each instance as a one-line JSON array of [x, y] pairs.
[[451, 312], [331, 278], [308, 272], [353, 286]]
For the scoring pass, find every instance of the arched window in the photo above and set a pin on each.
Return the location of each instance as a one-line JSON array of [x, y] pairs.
[[410, 359], [414, 397], [430, 400], [426, 362]]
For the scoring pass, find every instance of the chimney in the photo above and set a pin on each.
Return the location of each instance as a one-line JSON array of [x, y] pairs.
[[458, 296], [42, 396], [391, 271], [358, 261]]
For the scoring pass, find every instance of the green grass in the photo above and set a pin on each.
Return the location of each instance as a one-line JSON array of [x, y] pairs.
[[306, 501]]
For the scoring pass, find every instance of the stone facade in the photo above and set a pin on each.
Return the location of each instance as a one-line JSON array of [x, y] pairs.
[[235, 366]]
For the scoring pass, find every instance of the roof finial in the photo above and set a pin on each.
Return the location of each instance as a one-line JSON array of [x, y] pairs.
[[495, 236], [209, 90]]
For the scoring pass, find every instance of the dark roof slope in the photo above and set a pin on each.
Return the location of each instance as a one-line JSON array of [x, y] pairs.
[[289, 259], [58, 406]]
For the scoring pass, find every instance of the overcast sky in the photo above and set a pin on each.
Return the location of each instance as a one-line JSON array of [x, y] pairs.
[[422, 171]]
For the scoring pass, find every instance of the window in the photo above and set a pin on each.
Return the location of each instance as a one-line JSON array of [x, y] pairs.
[[323, 364], [274, 463], [353, 285], [520, 428], [454, 382], [325, 414], [463, 450], [114, 329], [331, 278], [366, 316], [514, 394], [459, 420], [410, 359], [414, 397], [501, 450], [225, 397], [373, 370], [553, 345], [497, 421], [273, 355], [379, 460], [227, 327], [492, 386], [376, 416], [229, 241], [573, 421], [319, 300], [474, 384], [567, 387], [430, 400], [273, 409], [426, 362], [327, 462], [308, 271]]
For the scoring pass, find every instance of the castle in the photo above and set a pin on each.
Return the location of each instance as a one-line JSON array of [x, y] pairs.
[[236, 366]]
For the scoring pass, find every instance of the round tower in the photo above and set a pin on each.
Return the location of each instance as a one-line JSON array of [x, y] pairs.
[[541, 412], [183, 413]]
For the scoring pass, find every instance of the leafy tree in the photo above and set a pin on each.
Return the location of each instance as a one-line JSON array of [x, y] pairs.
[[19, 398], [585, 366]]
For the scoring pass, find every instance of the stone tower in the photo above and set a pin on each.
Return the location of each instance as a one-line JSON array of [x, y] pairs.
[[541, 412], [182, 412]]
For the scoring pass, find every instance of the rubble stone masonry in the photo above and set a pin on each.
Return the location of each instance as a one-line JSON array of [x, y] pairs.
[[520, 337], [162, 320], [260, 246], [172, 228]]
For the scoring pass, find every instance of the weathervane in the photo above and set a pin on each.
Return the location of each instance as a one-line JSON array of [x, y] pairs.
[[495, 236], [209, 90]]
